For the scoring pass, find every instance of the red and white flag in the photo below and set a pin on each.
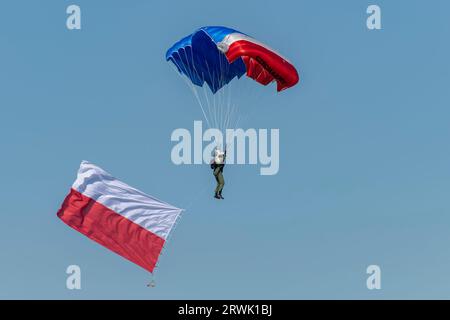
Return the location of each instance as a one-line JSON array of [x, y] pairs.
[[117, 216]]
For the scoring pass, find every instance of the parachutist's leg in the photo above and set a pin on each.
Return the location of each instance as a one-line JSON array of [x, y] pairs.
[[221, 183], [218, 184], [216, 175]]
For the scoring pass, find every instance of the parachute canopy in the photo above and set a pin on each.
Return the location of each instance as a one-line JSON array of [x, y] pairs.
[[216, 55]]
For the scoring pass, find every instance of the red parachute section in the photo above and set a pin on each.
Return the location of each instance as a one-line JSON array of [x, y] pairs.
[[263, 65]]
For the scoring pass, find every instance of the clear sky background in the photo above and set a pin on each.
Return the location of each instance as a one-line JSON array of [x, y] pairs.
[[364, 161]]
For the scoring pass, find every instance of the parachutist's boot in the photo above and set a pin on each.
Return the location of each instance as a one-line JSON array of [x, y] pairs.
[[220, 195], [217, 196]]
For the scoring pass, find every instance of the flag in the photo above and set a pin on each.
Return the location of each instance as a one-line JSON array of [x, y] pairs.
[[117, 216]]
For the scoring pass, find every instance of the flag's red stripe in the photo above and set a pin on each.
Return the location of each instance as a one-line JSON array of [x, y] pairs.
[[111, 230]]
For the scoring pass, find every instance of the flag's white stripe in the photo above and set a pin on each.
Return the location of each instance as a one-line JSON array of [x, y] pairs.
[[152, 214]]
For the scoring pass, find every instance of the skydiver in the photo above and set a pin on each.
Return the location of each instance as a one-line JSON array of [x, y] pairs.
[[217, 165]]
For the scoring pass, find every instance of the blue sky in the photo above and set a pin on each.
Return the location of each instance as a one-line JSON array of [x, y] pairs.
[[364, 150]]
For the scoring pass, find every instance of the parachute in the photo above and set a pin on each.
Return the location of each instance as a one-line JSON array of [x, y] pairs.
[[216, 55]]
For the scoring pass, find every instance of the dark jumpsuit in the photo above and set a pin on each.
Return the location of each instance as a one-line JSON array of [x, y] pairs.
[[218, 169]]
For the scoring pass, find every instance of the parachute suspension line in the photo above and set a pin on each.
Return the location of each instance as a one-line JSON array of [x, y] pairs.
[[192, 87], [214, 96], [231, 107], [222, 95], [216, 81], [221, 110], [152, 282], [229, 110], [201, 106], [209, 116], [227, 103], [222, 92], [205, 94]]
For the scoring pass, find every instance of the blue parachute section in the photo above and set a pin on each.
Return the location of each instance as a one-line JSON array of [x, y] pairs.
[[198, 57]]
